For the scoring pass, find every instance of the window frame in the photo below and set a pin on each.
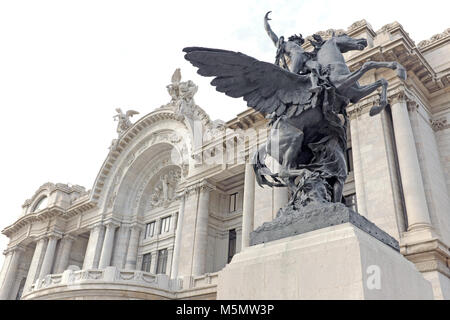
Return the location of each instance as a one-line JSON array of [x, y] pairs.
[[147, 229], [233, 200], [146, 263], [161, 261], [39, 203], [164, 226]]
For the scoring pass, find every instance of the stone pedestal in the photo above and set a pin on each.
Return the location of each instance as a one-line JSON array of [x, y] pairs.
[[291, 222], [337, 262]]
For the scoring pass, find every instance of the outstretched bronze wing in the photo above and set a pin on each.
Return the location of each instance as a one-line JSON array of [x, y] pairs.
[[131, 113], [265, 86]]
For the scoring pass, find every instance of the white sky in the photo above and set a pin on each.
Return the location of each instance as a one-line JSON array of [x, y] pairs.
[[66, 65]]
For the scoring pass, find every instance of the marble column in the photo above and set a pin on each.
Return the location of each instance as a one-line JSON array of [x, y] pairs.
[[49, 256], [93, 248], [178, 236], [66, 247], [412, 182], [33, 271], [130, 261], [11, 264], [121, 247], [280, 195], [201, 232], [249, 205], [105, 257]]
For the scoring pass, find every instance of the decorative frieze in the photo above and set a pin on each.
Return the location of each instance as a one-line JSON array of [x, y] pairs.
[[390, 26], [327, 34], [358, 24], [434, 39]]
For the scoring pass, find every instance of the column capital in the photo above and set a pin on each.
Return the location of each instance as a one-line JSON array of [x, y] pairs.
[[70, 237], [180, 194], [205, 185], [403, 95], [110, 223], [362, 106], [412, 105], [136, 225], [95, 225], [397, 96], [439, 123], [54, 234], [201, 186]]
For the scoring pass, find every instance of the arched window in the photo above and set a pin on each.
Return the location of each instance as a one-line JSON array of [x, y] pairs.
[[41, 204]]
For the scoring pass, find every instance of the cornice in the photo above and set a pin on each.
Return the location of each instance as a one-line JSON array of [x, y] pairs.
[[434, 41], [50, 187], [29, 218], [360, 25], [17, 248]]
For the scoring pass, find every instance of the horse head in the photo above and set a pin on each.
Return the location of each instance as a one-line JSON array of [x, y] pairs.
[[346, 43]]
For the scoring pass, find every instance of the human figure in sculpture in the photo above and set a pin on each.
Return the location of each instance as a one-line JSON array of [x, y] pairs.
[[300, 61]]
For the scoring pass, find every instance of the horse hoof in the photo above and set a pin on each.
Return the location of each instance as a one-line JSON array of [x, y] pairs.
[[375, 110], [401, 72]]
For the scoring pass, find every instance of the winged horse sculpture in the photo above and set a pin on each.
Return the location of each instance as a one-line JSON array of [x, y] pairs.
[[308, 127]]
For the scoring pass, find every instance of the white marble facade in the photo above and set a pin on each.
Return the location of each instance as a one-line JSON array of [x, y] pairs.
[[176, 196]]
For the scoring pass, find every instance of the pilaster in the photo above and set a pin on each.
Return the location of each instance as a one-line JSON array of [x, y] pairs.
[[201, 230], [11, 264]]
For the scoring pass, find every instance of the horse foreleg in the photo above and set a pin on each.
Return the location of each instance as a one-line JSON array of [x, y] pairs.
[[358, 92], [351, 79]]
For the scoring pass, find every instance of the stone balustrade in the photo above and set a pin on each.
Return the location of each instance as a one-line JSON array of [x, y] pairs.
[[112, 277], [109, 274]]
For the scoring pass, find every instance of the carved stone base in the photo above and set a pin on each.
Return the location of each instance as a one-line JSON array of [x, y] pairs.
[[290, 222]]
